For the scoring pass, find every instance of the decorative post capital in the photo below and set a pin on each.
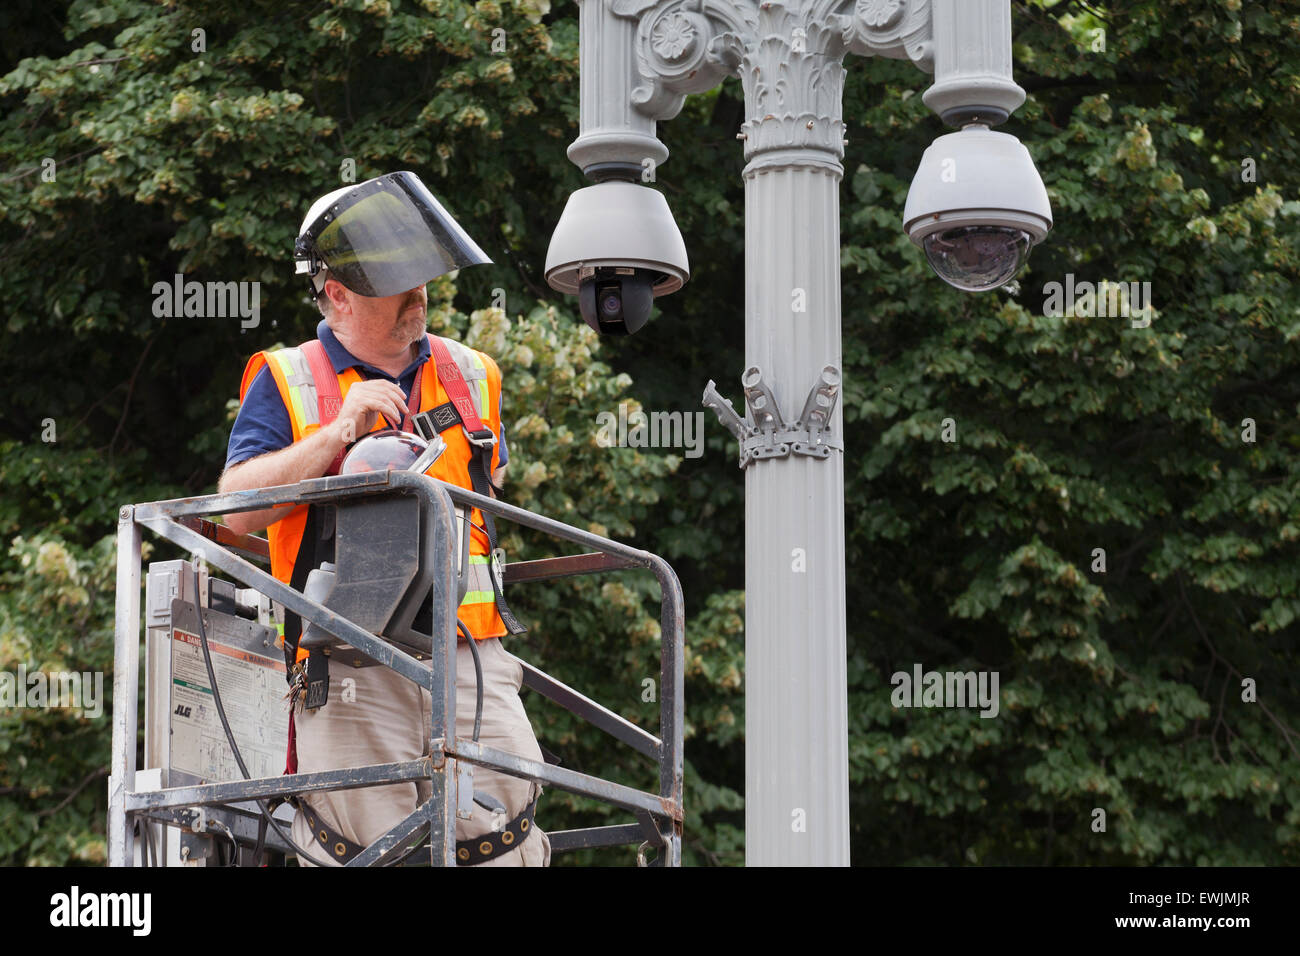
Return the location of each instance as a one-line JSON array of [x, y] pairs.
[[682, 47], [787, 54], [900, 29], [641, 58]]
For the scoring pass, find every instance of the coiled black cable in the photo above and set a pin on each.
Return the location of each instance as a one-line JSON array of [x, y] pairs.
[[478, 676], [234, 748], [225, 724]]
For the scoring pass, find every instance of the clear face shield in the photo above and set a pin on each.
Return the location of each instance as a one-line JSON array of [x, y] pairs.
[[388, 235]]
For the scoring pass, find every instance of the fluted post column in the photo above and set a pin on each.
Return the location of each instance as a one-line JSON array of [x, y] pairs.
[[788, 55], [796, 718]]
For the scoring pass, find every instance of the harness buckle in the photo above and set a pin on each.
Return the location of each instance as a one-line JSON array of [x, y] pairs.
[[497, 563], [482, 440]]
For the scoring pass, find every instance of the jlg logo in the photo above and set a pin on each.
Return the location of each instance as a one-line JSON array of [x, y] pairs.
[[182, 710]]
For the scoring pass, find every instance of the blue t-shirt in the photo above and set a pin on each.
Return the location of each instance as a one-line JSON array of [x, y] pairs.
[[263, 423]]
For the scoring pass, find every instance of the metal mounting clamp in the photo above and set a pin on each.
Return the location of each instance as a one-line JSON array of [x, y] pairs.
[[764, 433]]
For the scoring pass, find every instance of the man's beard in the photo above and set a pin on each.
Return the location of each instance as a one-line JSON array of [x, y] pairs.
[[410, 324]]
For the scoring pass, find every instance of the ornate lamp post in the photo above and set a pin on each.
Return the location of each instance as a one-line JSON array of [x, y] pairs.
[[977, 206]]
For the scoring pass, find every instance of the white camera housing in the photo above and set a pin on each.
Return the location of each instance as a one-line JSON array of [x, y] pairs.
[[977, 205], [616, 224], [616, 247]]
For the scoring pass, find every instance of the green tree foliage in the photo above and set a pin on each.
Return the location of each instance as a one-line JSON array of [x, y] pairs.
[[1166, 135], [56, 617], [1121, 690]]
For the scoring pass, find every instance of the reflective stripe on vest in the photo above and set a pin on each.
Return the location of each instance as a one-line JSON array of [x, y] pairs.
[[296, 372], [480, 580], [292, 374]]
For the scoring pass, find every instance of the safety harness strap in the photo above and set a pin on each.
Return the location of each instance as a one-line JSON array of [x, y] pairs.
[[329, 399], [469, 852], [482, 440]]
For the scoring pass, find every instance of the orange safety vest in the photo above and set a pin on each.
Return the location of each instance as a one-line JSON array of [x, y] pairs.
[[293, 376]]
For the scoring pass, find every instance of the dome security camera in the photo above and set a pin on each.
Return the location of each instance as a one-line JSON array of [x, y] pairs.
[[976, 207], [617, 248]]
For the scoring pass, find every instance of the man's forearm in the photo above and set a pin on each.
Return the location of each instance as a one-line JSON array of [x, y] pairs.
[[302, 460]]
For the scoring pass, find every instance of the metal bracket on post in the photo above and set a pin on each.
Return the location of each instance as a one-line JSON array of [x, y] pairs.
[[726, 413], [816, 415], [764, 433]]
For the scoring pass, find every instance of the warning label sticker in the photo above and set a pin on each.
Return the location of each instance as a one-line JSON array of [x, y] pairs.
[[252, 692]]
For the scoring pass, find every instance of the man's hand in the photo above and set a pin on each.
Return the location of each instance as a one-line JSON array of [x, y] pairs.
[[364, 403]]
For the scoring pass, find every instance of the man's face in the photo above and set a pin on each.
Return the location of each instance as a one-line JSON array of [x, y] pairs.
[[397, 319]]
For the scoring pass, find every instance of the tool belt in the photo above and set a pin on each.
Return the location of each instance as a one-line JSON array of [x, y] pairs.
[[469, 852]]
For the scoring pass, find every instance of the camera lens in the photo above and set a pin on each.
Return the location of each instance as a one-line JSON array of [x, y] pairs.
[[611, 302], [617, 301], [977, 258]]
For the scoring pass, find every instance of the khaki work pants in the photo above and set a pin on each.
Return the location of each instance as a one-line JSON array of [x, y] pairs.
[[381, 717]]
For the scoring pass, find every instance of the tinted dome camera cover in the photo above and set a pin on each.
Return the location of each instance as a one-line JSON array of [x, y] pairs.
[[382, 450], [977, 258]]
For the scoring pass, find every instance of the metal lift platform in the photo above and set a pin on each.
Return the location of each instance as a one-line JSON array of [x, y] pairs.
[[190, 796]]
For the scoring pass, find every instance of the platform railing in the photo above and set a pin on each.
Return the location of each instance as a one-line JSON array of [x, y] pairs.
[[657, 817]]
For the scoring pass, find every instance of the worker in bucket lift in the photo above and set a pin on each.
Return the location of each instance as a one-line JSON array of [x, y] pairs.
[[369, 250]]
